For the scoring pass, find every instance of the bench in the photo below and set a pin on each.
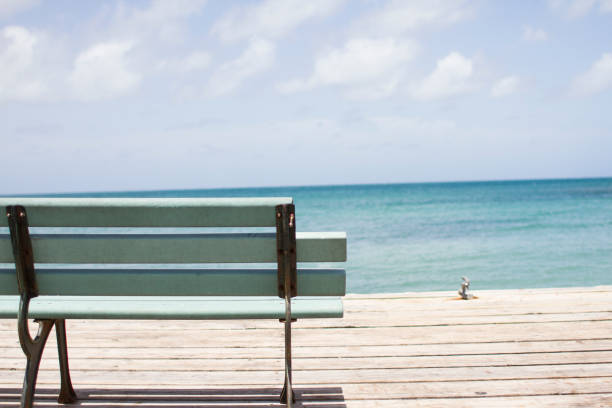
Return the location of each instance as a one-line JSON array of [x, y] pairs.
[[160, 258]]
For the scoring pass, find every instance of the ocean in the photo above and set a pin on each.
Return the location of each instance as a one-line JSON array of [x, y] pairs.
[[426, 236]]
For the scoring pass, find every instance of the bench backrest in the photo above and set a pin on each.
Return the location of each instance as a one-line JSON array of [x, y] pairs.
[[134, 247]]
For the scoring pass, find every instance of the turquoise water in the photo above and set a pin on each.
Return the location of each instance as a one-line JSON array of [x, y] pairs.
[[417, 237]]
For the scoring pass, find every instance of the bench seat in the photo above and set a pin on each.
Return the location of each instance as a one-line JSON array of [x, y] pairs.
[[171, 307]]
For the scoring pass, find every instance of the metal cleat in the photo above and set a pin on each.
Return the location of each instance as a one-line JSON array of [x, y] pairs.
[[465, 287]]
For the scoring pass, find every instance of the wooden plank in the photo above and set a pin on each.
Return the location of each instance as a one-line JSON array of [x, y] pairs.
[[11, 350], [255, 363], [274, 375], [530, 293], [350, 320], [485, 301], [541, 401], [164, 282], [184, 308], [176, 248], [352, 336], [553, 308], [148, 212], [376, 320]]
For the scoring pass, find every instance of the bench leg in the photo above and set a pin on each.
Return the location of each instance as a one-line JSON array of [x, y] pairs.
[[287, 396], [67, 394], [33, 350]]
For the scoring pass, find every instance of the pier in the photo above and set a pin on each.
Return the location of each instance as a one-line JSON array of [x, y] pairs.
[[506, 348]]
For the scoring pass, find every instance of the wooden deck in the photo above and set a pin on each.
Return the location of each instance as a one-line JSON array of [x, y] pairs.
[[544, 347]]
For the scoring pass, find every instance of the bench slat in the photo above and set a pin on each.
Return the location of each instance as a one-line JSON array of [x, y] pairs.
[[176, 248], [179, 308], [148, 212], [177, 282]]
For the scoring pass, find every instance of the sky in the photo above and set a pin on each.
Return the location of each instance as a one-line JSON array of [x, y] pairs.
[[156, 95]]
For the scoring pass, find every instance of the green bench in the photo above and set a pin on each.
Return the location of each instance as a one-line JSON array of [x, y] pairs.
[[120, 258]]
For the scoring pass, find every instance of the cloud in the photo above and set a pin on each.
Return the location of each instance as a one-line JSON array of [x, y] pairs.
[[372, 67], [597, 79], [505, 86], [133, 43], [452, 76], [9, 8], [196, 61], [400, 16], [605, 6], [258, 57], [19, 79], [579, 8], [101, 72], [534, 34], [412, 125], [162, 20], [271, 18], [125, 45]]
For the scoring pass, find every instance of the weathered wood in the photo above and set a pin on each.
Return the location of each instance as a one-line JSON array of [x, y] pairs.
[[165, 282], [448, 351], [349, 336], [440, 356], [195, 363], [379, 320], [176, 248], [148, 212], [180, 307], [324, 377]]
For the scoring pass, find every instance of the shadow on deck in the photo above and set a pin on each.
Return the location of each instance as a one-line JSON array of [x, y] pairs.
[[319, 397]]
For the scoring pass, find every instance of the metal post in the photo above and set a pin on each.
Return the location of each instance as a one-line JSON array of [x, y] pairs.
[[287, 393], [67, 394], [287, 285]]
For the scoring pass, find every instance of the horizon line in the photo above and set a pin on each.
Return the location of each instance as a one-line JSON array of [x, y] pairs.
[[312, 186]]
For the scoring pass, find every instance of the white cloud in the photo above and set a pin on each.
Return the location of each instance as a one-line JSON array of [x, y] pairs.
[[101, 72], [372, 66], [597, 79], [579, 8], [400, 16], [605, 6], [18, 74], [132, 43], [163, 10], [412, 125], [505, 86], [452, 76], [258, 57], [271, 18], [534, 34], [162, 19], [196, 61], [11, 7]]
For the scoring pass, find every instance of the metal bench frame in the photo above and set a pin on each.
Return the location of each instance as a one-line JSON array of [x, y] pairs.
[[28, 289]]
